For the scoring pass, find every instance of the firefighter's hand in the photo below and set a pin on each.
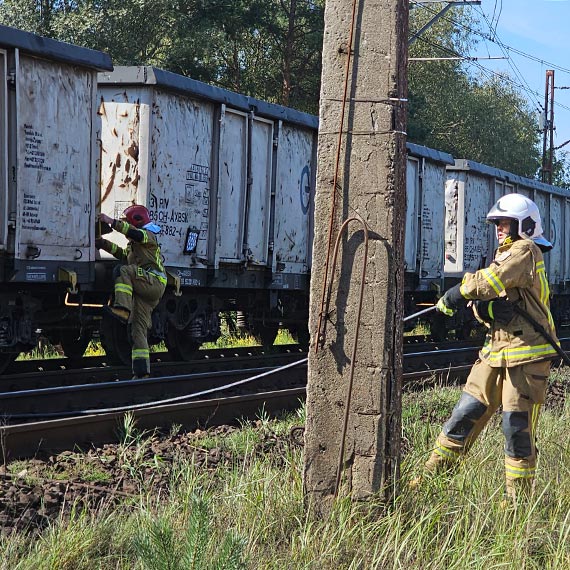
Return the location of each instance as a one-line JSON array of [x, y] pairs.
[[451, 301], [105, 219], [100, 243]]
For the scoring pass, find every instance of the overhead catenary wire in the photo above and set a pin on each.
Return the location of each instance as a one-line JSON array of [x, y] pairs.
[[490, 38], [479, 66], [511, 62], [534, 95], [469, 59], [486, 71]]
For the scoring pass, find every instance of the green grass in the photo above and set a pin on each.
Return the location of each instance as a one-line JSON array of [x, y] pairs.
[[227, 340], [249, 512]]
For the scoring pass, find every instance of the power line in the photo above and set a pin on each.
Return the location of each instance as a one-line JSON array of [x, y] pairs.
[[457, 58], [527, 89], [512, 64], [490, 38], [488, 72]]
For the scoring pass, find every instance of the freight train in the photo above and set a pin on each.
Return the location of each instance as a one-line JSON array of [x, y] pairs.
[[229, 178], [448, 201]]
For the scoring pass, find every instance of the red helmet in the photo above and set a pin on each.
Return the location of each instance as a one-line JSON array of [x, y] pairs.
[[137, 216]]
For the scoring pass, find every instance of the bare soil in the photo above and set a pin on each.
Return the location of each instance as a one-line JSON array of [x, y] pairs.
[[35, 492]]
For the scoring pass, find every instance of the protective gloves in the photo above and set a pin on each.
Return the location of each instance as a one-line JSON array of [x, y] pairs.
[[102, 228], [498, 310], [451, 301]]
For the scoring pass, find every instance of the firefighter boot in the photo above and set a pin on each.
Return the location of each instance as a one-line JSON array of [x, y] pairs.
[[520, 489], [119, 313], [437, 463]]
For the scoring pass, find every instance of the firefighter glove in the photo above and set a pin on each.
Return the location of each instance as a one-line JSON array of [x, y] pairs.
[[103, 228], [451, 301], [499, 311], [100, 243]]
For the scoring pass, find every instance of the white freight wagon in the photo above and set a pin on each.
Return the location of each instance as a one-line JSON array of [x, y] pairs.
[[48, 153], [471, 190], [230, 181], [228, 178], [425, 214], [48, 190]]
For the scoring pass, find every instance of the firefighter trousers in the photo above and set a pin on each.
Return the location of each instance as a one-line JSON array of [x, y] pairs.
[[138, 291], [521, 391]]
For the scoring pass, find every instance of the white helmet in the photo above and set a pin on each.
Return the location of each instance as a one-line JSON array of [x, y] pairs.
[[525, 212]]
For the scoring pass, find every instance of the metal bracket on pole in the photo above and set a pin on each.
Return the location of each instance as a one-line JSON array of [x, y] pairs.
[[439, 15]]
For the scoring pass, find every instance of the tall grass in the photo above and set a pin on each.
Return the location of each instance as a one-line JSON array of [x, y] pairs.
[[250, 513]]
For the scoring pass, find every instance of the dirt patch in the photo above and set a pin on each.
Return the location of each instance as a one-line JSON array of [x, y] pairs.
[[556, 395], [35, 492]]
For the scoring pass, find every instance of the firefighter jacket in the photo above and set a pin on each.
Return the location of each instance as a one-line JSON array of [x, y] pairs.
[[142, 250], [517, 273]]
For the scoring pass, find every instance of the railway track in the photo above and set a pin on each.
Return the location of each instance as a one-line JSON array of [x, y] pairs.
[[60, 372], [57, 417]]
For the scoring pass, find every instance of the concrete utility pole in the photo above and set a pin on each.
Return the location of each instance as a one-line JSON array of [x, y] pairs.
[[352, 437]]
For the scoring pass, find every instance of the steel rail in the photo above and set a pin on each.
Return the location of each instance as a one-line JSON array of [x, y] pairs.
[[50, 436]]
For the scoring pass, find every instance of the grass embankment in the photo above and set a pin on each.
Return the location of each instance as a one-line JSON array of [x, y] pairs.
[[248, 512]]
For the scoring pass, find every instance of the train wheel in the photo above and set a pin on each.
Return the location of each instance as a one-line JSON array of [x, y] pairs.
[[6, 358], [301, 335], [115, 341], [266, 334], [180, 345], [74, 342]]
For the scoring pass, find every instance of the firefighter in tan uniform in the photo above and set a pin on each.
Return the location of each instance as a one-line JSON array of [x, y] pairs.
[[514, 363], [141, 282]]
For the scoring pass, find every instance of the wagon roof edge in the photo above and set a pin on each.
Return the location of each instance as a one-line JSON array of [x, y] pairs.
[[148, 75], [48, 48], [462, 164], [431, 153]]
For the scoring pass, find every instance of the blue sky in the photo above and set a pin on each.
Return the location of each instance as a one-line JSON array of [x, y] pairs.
[[541, 29]]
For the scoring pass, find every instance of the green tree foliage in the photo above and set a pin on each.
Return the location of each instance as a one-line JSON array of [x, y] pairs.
[[271, 49], [561, 169], [470, 116]]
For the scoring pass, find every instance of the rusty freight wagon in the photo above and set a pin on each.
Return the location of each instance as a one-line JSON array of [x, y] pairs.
[[470, 191], [230, 181], [48, 186]]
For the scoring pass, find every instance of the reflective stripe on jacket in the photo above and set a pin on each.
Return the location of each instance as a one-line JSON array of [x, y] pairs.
[[146, 255], [517, 273]]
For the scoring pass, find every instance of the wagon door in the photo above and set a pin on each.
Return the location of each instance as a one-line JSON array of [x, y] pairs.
[[565, 240], [294, 192], [259, 191], [55, 108], [231, 186], [555, 257], [431, 210], [412, 204]]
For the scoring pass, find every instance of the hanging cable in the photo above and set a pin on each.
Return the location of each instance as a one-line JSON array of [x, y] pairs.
[[336, 169], [348, 399]]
